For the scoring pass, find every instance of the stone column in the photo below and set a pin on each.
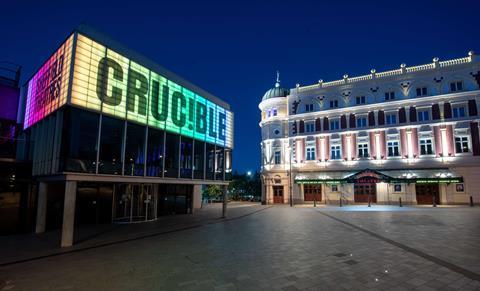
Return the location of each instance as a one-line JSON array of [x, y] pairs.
[[197, 197], [69, 213], [41, 207], [225, 200]]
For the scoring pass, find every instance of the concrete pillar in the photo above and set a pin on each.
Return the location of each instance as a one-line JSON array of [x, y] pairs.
[[225, 200], [197, 197], [69, 213], [41, 207]]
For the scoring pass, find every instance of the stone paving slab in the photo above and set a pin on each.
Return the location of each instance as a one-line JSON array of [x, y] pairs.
[[279, 248], [29, 246]]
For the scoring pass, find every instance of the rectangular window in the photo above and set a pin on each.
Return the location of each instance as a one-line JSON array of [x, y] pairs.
[[310, 153], [278, 157], [268, 113], [456, 86], [421, 91], [308, 107], [426, 147], [334, 188], [309, 127], [393, 149], [335, 152], [334, 125], [397, 188], [360, 100], [274, 110], [363, 150], [333, 103], [461, 144], [391, 118], [458, 112], [362, 122], [423, 115], [389, 95]]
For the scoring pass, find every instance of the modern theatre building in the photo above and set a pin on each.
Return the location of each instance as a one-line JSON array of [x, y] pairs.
[[115, 137], [411, 133]]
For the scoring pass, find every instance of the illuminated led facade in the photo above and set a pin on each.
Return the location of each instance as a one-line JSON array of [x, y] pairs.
[[103, 119], [409, 134]]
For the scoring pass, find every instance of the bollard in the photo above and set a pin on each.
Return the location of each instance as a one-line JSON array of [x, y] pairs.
[[434, 202], [471, 201], [369, 201], [400, 201], [340, 201]]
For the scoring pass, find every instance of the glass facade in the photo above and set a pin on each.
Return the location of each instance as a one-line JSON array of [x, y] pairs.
[[136, 150], [92, 109]]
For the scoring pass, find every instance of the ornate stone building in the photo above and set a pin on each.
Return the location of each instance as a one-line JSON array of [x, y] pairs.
[[409, 133]]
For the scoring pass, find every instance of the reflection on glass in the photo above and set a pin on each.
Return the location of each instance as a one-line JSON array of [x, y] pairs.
[[186, 158], [198, 160], [171, 155], [210, 161], [219, 163], [155, 152], [111, 140], [134, 150], [79, 140], [228, 164]]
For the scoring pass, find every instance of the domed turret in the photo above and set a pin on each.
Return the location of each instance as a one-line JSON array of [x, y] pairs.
[[277, 91]]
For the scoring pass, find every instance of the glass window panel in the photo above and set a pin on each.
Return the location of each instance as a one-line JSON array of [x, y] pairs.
[[111, 140], [171, 155], [186, 157], [210, 161], [79, 141], [219, 168], [134, 150], [155, 152], [199, 159]]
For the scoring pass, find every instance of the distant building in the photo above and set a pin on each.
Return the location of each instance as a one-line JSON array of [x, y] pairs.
[[409, 133], [117, 138], [17, 199]]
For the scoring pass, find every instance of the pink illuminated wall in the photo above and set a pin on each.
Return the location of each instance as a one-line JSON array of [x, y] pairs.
[[47, 89]]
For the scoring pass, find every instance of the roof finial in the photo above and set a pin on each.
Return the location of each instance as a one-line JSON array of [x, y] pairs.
[[277, 84]]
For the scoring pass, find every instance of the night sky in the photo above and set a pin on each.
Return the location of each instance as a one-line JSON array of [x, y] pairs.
[[233, 50]]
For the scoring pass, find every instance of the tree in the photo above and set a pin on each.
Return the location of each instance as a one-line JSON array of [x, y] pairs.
[[243, 185], [212, 192]]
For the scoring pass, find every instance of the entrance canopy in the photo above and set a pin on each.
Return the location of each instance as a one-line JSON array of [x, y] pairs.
[[422, 176]]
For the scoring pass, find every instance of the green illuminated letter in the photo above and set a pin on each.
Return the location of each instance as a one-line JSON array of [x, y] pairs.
[[134, 91], [201, 114], [163, 113], [221, 125], [178, 103], [102, 81], [211, 123]]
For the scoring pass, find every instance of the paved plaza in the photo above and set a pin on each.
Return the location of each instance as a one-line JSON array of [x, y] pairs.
[[265, 248]]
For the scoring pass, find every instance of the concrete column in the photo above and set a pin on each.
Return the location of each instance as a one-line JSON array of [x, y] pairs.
[[197, 197], [225, 200], [69, 213], [41, 207]]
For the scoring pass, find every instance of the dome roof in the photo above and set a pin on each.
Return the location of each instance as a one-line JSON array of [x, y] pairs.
[[277, 91]]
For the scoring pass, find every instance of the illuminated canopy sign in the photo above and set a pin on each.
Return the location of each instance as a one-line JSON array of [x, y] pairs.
[[107, 82]]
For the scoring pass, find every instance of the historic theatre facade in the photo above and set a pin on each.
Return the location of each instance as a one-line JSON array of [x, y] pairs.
[[411, 133]]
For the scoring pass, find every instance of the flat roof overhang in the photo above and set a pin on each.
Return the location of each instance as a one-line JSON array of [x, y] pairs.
[[82, 177]]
